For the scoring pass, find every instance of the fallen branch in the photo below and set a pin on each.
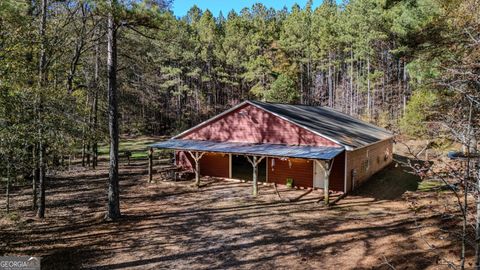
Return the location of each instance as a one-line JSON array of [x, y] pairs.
[[301, 195], [276, 191], [337, 199], [386, 262], [321, 199]]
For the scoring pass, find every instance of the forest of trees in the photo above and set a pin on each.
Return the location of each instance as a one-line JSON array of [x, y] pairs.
[[77, 74], [64, 65]]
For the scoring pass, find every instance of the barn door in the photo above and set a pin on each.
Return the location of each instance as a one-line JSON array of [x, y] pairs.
[[318, 175]]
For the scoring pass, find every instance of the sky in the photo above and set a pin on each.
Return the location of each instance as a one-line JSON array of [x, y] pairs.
[[181, 7]]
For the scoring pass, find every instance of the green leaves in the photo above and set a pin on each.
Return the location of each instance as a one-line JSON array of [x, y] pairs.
[[179, 71], [284, 90], [16, 124], [422, 71], [419, 110], [411, 17]]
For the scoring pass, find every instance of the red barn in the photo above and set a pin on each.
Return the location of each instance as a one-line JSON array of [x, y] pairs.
[[310, 145]]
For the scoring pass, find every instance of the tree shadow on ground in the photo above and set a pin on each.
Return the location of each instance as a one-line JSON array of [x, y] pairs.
[[66, 258], [220, 226], [391, 182]]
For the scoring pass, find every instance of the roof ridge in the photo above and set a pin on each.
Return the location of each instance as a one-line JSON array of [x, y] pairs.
[[325, 108], [328, 122], [286, 118], [363, 121]]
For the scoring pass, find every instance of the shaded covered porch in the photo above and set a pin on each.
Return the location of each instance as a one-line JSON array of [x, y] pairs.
[[322, 157]]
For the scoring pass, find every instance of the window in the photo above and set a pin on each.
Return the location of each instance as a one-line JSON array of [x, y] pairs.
[[387, 155], [365, 165]]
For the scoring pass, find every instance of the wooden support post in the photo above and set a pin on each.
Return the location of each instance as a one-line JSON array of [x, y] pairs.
[[326, 186], [197, 170], [255, 176], [196, 157], [230, 160], [255, 163], [150, 165], [327, 167]]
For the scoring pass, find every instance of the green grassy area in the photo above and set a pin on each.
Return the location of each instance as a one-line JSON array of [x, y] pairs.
[[138, 148], [445, 145], [429, 185], [390, 183], [12, 216]]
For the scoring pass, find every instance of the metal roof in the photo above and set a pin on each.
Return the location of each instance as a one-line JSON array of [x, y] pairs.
[[329, 123], [277, 150], [333, 125]]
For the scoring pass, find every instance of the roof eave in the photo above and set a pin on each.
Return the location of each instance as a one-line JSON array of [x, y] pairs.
[[364, 122], [370, 144], [170, 144]]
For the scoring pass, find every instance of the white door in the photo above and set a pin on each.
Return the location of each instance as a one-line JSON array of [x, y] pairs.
[[318, 175]]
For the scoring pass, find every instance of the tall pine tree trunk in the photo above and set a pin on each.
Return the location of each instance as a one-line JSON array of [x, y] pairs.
[[42, 81], [330, 83], [95, 106], [84, 134], [35, 176], [302, 94], [94, 130], [351, 81], [369, 101], [42, 178], [7, 191], [477, 223], [113, 211]]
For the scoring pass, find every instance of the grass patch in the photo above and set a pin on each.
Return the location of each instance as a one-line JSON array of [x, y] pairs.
[[445, 145], [390, 183], [137, 147], [12, 216], [132, 146], [428, 185], [140, 155]]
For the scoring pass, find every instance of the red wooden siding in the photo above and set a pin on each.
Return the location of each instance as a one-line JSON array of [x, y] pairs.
[[214, 164], [251, 124], [184, 160], [300, 170], [337, 179], [379, 156], [211, 164]]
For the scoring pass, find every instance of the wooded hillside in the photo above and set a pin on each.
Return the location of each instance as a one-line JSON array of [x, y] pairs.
[[75, 75], [408, 65]]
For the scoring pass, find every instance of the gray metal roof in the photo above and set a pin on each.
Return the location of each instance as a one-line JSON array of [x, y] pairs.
[[339, 127], [280, 150]]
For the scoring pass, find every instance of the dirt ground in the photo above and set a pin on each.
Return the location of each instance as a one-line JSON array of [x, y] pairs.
[[169, 225]]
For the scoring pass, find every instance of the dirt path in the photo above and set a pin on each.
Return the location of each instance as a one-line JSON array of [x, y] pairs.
[[220, 226]]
